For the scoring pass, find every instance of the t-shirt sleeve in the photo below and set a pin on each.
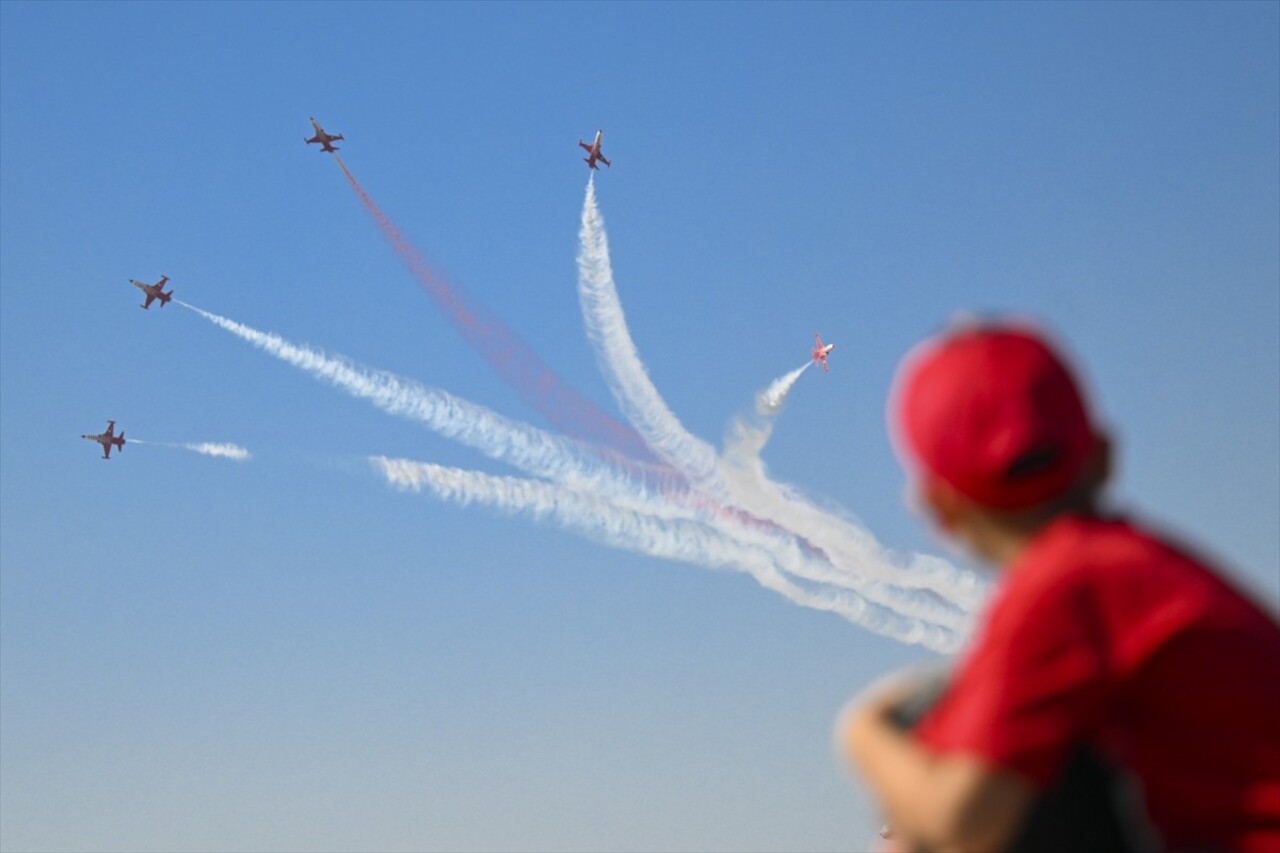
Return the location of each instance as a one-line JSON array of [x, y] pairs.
[[1031, 687]]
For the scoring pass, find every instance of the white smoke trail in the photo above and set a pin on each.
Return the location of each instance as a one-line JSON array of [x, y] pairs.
[[626, 375], [670, 538], [740, 476], [770, 400], [928, 588], [223, 450], [802, 558], [850, 546], [568, 462], [527, 448]]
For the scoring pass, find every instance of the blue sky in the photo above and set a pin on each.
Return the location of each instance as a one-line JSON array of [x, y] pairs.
[[286, 653]]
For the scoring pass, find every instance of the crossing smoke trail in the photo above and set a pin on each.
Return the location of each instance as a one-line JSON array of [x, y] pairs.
[[606, 326], [915, 594], [572, 468], [221, 450], [925, 587], [847, 544], [709, 508], [676, 539], [513, 359], [739, 475]]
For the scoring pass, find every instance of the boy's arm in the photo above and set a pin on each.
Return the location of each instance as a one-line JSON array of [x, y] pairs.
[[945, 802]]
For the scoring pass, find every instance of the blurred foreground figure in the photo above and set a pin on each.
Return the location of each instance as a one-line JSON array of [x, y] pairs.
[[1118, 694]]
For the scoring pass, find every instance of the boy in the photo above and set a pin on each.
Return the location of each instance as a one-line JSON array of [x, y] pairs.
[[1101, 637]]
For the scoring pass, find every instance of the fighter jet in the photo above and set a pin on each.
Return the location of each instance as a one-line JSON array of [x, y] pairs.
[[153, 291], [107, 439], [323, 138], [820, 352], [593, 151]]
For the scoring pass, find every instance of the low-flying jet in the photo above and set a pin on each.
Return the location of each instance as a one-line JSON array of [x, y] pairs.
[[323, 138], [820, 352], [593, 151], [107, 439], [153, 291]]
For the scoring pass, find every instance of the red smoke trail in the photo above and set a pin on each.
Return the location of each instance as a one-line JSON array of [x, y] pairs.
[[513, 359], [538, 385]]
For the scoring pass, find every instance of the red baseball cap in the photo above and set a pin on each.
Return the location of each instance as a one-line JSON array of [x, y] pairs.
[[995, 413]]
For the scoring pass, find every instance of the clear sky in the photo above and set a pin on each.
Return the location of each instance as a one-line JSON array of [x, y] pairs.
[[286, 653]]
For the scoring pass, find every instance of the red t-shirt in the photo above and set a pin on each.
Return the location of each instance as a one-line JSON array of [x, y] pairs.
[[1104, 634]]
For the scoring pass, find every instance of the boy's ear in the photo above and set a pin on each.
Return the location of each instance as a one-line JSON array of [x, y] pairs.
[[944, 504]]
